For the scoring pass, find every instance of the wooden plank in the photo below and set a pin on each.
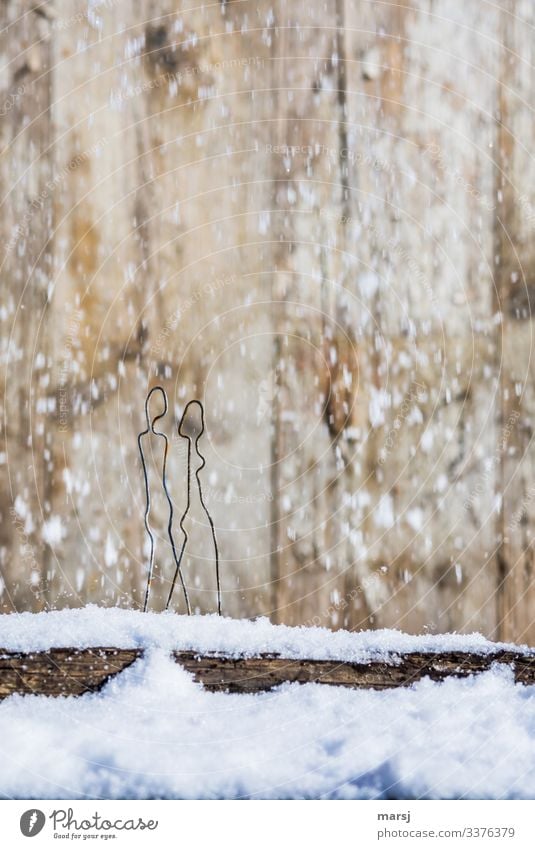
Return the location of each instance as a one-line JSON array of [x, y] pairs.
[[384, 416], [61, 672], [420, 212], [101, 283], [515, 302], [205, 147], [27, 178], [71, 672], [251, 675], [160, 251], [314, 351], [173, 117]]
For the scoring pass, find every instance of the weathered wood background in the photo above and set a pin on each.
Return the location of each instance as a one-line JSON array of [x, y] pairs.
[[317, 217]]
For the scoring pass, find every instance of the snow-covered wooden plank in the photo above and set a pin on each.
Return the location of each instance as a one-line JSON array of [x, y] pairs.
[[71, 672]]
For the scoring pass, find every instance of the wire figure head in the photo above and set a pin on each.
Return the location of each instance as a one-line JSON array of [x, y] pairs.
[[152, 422], [191, 424]]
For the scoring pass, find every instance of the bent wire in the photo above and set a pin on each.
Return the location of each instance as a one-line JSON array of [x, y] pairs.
[[150, 429], [188, 502]]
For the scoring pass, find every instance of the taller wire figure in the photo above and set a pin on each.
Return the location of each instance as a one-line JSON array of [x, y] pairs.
[[150, 429], [192, 422]]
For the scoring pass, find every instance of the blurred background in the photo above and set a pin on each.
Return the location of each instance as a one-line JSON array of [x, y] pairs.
[[318, 219]]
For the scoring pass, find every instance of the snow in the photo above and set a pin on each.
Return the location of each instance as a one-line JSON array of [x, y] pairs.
[[99, 626], [368, 284], [415, 518], [384, 516], [53, 531], [110, 552], [153, 733]]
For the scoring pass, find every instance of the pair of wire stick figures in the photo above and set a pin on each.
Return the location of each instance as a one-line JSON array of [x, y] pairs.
[[194, 409]]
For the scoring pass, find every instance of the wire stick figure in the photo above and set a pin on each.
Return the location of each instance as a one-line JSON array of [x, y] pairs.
[[150, 429], [183, 432]]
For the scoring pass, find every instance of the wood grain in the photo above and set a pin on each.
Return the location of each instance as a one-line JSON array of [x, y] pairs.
[[165, 236], [71, 672]]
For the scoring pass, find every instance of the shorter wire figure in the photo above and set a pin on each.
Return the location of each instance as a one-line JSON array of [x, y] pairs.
[[185, 433], [150, 429]]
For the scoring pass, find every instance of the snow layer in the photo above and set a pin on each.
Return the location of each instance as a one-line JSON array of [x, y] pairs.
[[97, 626], [153, 733]]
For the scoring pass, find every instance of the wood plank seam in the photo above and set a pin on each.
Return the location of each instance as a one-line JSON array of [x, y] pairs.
[[67, 671]]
